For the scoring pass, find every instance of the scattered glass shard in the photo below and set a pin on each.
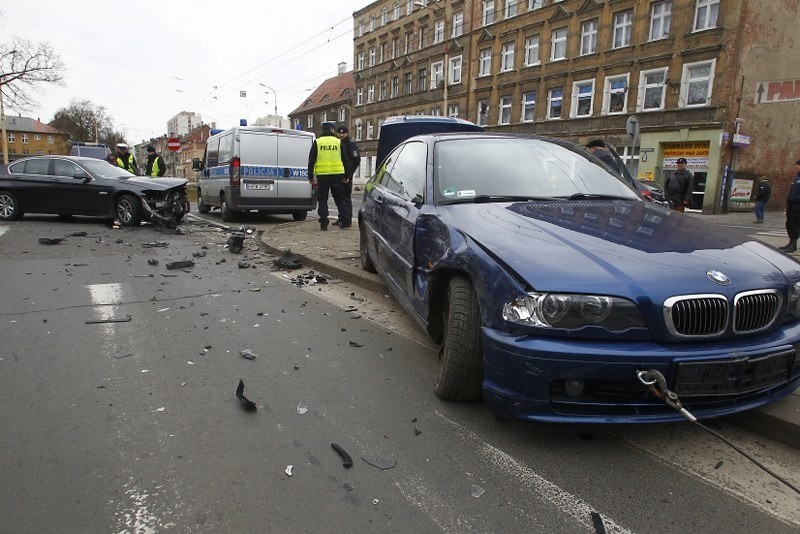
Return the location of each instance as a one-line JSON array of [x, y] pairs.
[[477, 491], [288, 470], [301, 408]]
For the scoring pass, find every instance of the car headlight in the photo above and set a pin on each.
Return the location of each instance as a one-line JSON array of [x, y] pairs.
[[571, 311]]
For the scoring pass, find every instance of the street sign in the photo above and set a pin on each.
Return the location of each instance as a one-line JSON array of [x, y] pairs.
[[174, 144]]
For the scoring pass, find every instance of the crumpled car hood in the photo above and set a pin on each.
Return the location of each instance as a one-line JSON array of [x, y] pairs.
[[631, 249], [158, 184]]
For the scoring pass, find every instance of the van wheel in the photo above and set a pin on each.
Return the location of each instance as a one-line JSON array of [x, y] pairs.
[[299, 215], [202, 207], [460, 373], [225, 212]]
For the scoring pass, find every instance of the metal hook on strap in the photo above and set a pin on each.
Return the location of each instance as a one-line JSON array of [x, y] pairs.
[[657, 385]]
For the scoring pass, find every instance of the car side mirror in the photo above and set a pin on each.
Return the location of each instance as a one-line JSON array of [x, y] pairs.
[[81, 175], [197, 164]]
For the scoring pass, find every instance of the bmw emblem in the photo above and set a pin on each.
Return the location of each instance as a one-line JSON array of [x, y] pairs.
[[718, 277]]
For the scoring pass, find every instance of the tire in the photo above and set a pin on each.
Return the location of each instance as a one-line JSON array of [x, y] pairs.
[[128, 209], [202, 207], [460, 373], [299, 215], [366, 261], [225, 213], [10, 210]]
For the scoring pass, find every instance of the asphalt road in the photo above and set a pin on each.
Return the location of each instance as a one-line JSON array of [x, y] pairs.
[[134, 426]]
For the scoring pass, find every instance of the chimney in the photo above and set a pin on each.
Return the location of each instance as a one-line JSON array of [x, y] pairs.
[[342, 67]]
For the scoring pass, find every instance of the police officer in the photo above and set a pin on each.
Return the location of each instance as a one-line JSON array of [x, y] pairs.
[[793, 212], [352, 159], [125, 159], [155, 165], [326, 162]]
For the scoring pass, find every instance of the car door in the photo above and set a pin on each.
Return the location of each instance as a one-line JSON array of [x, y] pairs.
[[80, 194], [32, 185], [404, 192]]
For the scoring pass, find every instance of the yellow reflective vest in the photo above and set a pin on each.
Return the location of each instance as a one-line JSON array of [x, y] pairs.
[[129, 165], [329, 156]]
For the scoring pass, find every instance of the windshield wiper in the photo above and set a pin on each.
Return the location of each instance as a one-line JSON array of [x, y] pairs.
[[582, 196], [479, 199]]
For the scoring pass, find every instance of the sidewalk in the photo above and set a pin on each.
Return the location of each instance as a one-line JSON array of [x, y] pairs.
[[336, 253]]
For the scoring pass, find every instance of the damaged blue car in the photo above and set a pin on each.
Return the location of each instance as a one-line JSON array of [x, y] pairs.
[[558, 295]]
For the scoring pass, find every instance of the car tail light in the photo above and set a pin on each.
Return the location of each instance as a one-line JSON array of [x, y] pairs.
[[235, 171], [647, 195]]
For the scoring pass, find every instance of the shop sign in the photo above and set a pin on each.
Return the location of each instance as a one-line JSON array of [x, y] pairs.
[[777, 91], [742, 190], [695, 152]]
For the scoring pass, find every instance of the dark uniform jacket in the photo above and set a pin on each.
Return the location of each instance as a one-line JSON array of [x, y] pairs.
[[764, 191], [793, 197], [678, 187], [351, 155]]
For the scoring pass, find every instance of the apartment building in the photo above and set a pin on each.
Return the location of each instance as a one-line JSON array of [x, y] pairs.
[[330, 102], [26, 136], [715, 81]]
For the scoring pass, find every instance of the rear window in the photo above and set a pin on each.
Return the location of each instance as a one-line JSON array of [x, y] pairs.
[[31, 166]]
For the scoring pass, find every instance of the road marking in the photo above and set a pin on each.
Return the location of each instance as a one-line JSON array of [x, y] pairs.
[[3, 229], [564, 501]]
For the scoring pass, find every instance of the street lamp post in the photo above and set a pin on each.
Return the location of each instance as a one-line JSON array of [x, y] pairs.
[[275, 95], [3, 121]]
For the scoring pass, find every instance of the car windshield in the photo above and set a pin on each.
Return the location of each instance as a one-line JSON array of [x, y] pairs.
[[104, 169], [484, 169]]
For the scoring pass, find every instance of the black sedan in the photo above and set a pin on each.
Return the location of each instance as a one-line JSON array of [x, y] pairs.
[[557, 294], [66, 185], [653, 191]]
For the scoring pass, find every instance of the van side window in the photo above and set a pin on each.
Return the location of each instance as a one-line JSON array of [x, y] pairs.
[[225, 147], [212, 159]]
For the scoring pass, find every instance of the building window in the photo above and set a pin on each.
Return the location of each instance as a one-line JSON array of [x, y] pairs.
[[409, 7], [652, 88], [407, 42], [371, 61], [361, 28], [310, 122], [623, 26], [360, 96], [23, 138], [37, 137], [395, 87], [529, 106], [705, 15], [485, 62], [458, 23], [487, 12], [342, 114], [423, 37], [381, 52], [384, 16], [558, 44], [614, 94], [323, 117], [369, 130], [11, 137], [505, 110], [396, 11], [422, 79], [437, 74], [697, 83], [51, 153], [360, 61], [454, 70], [534, 4], [507, 57], [51, 140], [25, 152], [359, 130], [589, 37], [532, 51], [555, 101], [381, 90], [436, 112], [660, 15], [371, 93], [408, 87], [452, 110], [582, 98], [40, 152], [483, 112], [394, 48], [510, 9], [371, 23], [438, 31]]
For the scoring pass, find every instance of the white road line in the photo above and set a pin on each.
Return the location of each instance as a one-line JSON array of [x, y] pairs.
[[3, 229], [564, 501]]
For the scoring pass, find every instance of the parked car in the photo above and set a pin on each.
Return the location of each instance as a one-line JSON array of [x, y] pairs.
[[558, 295], [653, 192], [67, 185]]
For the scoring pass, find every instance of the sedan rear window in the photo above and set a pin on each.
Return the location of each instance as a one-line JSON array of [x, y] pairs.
[[31, 166], [533, 168]]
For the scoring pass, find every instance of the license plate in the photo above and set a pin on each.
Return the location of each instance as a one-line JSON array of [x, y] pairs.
[[733, 377], [260, 187]]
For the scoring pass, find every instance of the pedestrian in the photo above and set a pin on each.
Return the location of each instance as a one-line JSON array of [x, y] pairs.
[[793, 211], [597, 147], [351, 162], [679, 185], [326, 163], [762, 197], [155, 165], [125, 159]]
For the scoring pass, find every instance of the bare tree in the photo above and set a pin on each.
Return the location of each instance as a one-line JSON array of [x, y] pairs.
[[84, 121], [25, 67]]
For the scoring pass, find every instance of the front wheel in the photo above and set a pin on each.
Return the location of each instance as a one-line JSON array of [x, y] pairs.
[[202, 207], [129, 210], [366, 260], [460, 373], [10, 210], [299, 215]]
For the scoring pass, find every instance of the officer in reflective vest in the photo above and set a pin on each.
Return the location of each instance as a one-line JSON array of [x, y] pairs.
[[155, 165], [125, 159], [326, 164]]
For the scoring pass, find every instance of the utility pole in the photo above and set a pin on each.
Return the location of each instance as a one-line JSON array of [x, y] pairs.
[[3, 120]]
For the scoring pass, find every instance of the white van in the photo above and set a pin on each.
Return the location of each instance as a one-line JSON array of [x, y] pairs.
[[255, 168]]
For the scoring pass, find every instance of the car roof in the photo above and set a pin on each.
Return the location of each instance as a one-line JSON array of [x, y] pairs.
[[396, 129], [77, 159]]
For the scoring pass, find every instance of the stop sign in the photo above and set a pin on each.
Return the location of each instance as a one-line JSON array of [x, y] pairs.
[[174, 144]]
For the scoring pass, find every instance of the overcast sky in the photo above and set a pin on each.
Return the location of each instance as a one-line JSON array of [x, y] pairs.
[[146, 61]]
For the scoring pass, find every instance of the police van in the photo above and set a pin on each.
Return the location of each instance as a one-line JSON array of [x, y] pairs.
[[255, 169]]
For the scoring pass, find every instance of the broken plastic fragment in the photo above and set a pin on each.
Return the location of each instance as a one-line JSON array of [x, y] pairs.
[[301, 408], [381, 463], [477, 491], [247, 404], [152, 261], [347, 461], [288, 470], [248, 354], [354, 344], [160, 409], [375, 501], [50, 240], [180, 265], [355, 297]]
